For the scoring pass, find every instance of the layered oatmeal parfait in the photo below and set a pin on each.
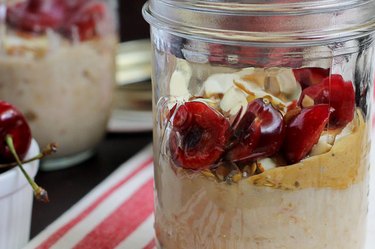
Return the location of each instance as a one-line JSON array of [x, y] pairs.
[[57, 65], [261, 140]]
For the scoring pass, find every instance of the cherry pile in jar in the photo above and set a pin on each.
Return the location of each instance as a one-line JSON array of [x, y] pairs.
[[202, 136]]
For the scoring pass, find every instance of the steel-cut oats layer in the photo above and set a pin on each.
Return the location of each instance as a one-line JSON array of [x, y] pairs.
[[326, 209]]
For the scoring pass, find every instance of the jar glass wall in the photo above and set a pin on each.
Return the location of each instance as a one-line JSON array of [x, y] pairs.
[[57, 66], [260, 141]]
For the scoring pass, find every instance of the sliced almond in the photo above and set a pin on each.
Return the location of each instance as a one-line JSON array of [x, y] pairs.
[[180, 79], [267, 164], [272, 86], [281, 83], [307, 101], [320, 148], [218, 84], [233, 100], [253, 75]]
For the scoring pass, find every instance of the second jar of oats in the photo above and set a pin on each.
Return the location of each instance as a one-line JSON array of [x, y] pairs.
[[57, 65]]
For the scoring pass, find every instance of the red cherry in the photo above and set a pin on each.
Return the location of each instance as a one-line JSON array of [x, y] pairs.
[[303, 132], [259, 133], [72, 5], [36, 15], [339, 94], [85, 21], [13, 123], [198, 136], [309, 76]]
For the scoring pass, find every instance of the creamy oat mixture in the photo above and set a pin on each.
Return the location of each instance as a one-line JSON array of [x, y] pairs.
[[313, 202], [64, 89]]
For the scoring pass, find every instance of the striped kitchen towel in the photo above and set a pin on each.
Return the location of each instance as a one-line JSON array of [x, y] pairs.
[[119, 213]]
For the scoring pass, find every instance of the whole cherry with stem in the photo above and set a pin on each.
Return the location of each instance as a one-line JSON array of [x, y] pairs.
[[15, 140]]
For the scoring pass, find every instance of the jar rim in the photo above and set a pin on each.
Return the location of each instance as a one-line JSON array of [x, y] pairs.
[[300, 23], [269, 7]]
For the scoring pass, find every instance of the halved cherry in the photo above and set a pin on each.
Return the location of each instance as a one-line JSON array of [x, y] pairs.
[[198, 135], [309, 76], [339, 94], [259, 133], [36, 15], [303, 132], [85, 22]]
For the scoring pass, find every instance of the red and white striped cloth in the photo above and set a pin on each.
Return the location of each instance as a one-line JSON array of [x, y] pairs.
[[119, 213], [116, 214]]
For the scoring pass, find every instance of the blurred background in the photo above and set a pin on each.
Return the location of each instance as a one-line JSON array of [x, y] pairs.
[[132, 24], [132, 97]]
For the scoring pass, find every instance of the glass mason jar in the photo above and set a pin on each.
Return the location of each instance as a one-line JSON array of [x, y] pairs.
[[57, 65], [262, 121]]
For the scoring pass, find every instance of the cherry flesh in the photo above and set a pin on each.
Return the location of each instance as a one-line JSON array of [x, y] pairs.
[[304, 131], [198, 135], [339, 94], [259, 134]]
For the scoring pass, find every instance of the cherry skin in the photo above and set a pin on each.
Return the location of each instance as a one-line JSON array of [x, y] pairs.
[[198, 135], [36, 15], [309, 76], [304, 131], [339, 94], [259, 134], [13, 123], [85, 21], [73, 5]]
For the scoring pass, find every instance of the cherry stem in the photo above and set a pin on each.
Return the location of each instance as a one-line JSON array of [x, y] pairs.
[[50, 148], [39, 193]]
